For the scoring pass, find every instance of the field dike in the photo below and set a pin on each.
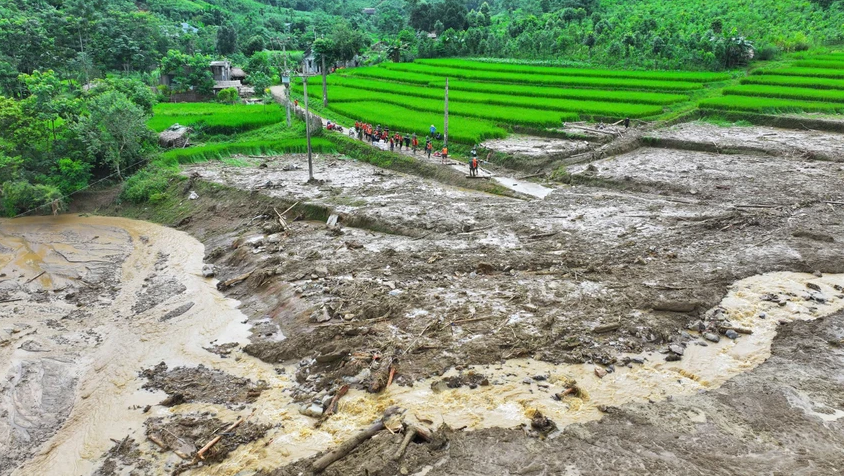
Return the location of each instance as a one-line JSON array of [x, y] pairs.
[[650, 308], [117, 335]]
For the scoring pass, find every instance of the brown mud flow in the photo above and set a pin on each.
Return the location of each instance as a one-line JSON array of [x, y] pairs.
[[74, 362], [639, 297]]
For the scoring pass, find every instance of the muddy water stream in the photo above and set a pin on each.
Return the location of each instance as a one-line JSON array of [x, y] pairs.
[[139, 269]]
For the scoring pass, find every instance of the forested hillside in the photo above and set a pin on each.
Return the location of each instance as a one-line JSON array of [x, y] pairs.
[[79, 77]]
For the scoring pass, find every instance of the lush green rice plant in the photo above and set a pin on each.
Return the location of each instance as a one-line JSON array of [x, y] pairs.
[[700, 77], [537, 92], [515, 110], [495, 113], [461, 129], [390, 75], [781, 92], [215, 118], [828, 56], [807, 72], [637, 97], [544, 80], [816, 63], [768, 105], [221, 150], [528, 111], [794, 81]]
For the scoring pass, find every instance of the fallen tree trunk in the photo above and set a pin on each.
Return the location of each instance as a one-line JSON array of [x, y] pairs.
[[223, 285], [200, 454], [349, 445], [411, 432]]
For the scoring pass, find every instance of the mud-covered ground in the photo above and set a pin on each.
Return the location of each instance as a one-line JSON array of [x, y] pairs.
[[417, 278]]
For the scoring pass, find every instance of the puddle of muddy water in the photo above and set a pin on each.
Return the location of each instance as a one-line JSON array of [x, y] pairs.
[[108, 392]]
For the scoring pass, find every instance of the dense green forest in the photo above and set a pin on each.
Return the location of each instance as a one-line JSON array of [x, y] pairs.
[[79, 78]]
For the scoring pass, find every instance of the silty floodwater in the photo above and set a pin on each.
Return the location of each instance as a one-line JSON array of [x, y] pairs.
[[76, 369]]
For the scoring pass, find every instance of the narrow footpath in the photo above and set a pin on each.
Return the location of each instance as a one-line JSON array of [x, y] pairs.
[[521, 186]]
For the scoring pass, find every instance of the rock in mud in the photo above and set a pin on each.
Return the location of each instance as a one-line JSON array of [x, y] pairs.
[[208, 270], [676, 348], [712, 337], [600, 372], [542, 424], [177, 312], [312, 410], [731, 334]]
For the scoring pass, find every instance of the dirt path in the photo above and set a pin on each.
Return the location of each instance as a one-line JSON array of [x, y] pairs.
[[521, 186]]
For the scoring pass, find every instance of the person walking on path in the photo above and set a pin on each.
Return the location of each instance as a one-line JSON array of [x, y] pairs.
[[406, 142], [415, 142], [445, 154], [473, 163], [429, 147], [392, 144]]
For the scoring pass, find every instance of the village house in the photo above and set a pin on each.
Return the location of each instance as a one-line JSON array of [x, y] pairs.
[[225, 76]]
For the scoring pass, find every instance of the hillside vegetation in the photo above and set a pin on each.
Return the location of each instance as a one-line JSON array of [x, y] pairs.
[[79, 78]]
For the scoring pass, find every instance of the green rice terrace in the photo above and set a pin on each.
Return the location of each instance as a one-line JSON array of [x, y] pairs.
[[488, 99]]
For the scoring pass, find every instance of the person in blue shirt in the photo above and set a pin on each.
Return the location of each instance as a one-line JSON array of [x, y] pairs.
[[433, 130]]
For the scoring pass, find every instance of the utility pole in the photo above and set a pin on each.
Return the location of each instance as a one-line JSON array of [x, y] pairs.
[[286, 85], [324, 84], [308, 128], [445, 141]]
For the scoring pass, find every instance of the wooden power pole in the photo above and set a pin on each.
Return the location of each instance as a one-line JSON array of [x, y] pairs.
[[324, 84], [308, 128], [445, 140]]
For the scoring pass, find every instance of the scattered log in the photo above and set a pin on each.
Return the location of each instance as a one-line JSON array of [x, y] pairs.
[[740, 330], [10, 300], [200, 454], [409, 433], [753, 205], [380, 377], [606, 327], [223, 285], [349, 445], [474, 319], [332, 407], [33, 279], [541, 235], [158, 441], [392, 374]]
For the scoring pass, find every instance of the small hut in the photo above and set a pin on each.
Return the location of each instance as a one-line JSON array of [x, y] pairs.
[[175, 136], [238, 74]]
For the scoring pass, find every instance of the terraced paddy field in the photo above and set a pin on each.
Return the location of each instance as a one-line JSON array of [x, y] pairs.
[[814, 85], [488, 99]]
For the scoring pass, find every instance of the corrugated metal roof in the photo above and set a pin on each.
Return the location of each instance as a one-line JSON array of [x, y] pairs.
[[227, 84]]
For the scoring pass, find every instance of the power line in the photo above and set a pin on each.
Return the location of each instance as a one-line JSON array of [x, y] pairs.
[[76, 191]]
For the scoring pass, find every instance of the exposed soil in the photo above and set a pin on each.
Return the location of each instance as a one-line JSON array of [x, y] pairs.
[[200, 384], [424, 284], [806, 144]]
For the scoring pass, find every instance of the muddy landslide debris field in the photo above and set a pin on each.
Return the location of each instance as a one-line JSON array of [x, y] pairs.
[[620, 325]]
